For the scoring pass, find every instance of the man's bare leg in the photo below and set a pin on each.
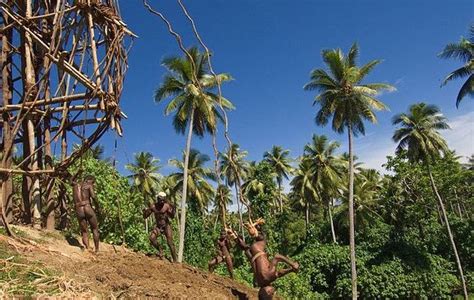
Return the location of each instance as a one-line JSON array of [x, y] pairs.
[[230, 265], [280, 258], [95, 229], [169, 240], [213, 263], [153, 240], [85, 235]]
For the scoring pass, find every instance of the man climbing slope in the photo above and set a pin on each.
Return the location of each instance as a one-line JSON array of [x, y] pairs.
[[164, 212], [223, 254]]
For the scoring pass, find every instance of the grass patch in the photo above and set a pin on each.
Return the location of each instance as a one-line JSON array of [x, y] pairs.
[[52, 235], [18, 232], [19, 277]]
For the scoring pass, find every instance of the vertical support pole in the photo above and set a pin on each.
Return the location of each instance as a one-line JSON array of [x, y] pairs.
[[6, 161], [29, 92]]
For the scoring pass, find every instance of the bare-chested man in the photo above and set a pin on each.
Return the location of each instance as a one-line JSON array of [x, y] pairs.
[[265, 271], [223, 254], [83, 193], [164, 212]]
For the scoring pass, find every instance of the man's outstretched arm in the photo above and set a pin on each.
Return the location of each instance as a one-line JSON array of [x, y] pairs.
[[147, 211]]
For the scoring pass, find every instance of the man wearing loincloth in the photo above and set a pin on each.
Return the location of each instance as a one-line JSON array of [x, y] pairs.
[[83, 193], [265, 271], [164, 212], [223, 254]]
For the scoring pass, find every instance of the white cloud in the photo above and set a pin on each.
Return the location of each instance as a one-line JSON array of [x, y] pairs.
[[461, 135], [373, 148]]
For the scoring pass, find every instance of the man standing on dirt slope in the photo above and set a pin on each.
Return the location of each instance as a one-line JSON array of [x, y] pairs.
[[164, 212], [265, 271], [223, 254], [83, 193]]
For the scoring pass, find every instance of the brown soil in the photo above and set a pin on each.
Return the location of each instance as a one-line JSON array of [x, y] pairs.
[[116, 272]]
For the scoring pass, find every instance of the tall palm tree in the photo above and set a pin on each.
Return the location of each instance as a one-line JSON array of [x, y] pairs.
[[189, 87], [281, 164], [463, 51], [200, 191], [328, 169], [418, 134], [252, 185], [168, 186], [349, 102], [234, 171], [367, 187], [222, 200], [302, 185], [144, 175]]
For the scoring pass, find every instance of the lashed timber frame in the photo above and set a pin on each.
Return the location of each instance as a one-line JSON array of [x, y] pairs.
[[63, 65]]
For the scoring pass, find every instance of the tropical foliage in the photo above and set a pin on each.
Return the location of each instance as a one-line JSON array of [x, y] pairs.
[[463, 51]]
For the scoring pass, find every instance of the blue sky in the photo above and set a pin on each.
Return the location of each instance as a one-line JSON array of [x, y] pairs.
[[270, 47]]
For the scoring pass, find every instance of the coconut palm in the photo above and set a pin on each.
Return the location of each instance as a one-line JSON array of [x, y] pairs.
[[367, 188], [328, 171], [418, 134], [200, 191], [144, 175], [281, 164], [302, 186], [470, 163], [463, 51], [349, 102], [189, 87], [95, 152], [168, 186], [222, 200], [234, 171], [252, 185]]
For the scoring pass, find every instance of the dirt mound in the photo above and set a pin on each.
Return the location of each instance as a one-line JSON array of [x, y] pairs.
[[117, 272]]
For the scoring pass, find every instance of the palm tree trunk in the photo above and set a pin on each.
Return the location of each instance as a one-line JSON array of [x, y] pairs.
[[307, 215], [333, 231], [280, 200], [217, 220], [239, 209], [450, 234], [182, 222], [146, 203], [458, 207], [351, 216]]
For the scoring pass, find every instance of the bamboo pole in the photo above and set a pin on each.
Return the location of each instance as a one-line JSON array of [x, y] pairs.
[[29, 82], [55, 100], [6, 180], [95, 60]]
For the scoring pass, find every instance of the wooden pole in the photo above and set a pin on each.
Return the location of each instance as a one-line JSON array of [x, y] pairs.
[[29, 93], [95, 60], [7, 182]]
